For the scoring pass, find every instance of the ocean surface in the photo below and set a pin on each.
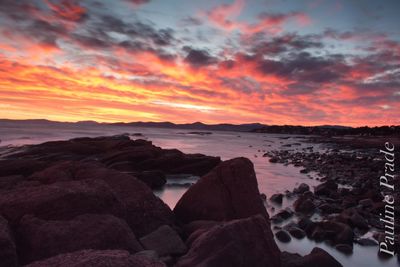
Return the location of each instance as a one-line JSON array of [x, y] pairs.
[[272, 178]]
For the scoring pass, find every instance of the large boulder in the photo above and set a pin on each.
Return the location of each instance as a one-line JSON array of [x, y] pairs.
[[242, 242], [336, 232], [97, 258], [8, 254], [145, 212], [39, 239], [62, 200], [165, 241], [318, 257], [228, 192]]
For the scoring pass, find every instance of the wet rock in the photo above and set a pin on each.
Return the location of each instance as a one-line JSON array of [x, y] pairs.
[[58, 201], [296, 232], [327, 208], [228, 192], [317, 257], [282, 215], [165, 241], [243, 242], [302, 188], [344, 248], [304, 205], [39, 239], [193, 226], [336, 232], [326, 188], [366, 242], [97, 258], [283, 236], [276, 198], [8, 254]]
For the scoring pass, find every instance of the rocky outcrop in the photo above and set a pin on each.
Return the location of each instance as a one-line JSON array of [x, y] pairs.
[[58, 201], [242, 242], [318, 257], [228, 192], [8, 254], [97, 258], [165, 241], [39, 239]]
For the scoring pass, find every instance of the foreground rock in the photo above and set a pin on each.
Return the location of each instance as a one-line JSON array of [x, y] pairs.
[[58, 201], [97, 258], [243, 242], [39, 239], [165, 241], [8, 254], [144, 211], [318, 257], [228, 192]]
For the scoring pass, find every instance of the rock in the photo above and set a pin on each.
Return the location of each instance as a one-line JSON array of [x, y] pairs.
[[301, 188], [366, 242], [242, 242], [366, 203], [39, 239], [145, 212], [283, 236], [97, 258], [326, 188], [165, 241], [58, 201], [273, 160], [276, 198], [327, 208], [228, 192], [317, 257], [344, 248], [149, 254], [192, 227], [282, 215], [20, 166], [338, 233], [304, 205], [154, 179], [8, 254], [8, 182], [296, 232]]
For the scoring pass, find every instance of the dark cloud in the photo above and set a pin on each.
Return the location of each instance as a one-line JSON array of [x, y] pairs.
[[138, 2], [191, 21], [198, 58]]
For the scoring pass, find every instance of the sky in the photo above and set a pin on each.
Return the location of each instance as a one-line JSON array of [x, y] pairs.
[[296, 62]]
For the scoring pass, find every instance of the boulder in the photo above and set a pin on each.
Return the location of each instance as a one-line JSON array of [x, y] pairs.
[[302, 188], [154, 179], [165, 241], [39, 239], [304, 204], [8, 182], [145, 212], [326, 188], [276, 198], [20, 166], [228, 192], [97, 258], [283, 236], [58, 201], [338, 233], [344, 248], [318, 257], [8, 254], [242, 242]]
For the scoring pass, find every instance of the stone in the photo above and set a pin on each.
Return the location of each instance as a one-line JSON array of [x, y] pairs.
[[317, 257], [228, 192], [301, 188], [59, 201], [165, 241], [241, 242], [296, 232], [97, 258], [326, 188], [283, 236], [154, 179], [8, 253], [39, 239], [304, 205], [344, 248], [276, 198]]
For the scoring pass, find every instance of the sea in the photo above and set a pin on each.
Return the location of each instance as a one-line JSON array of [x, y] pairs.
[[272, 177]]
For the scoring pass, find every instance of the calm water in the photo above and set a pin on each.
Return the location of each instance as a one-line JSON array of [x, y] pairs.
[[272, 178]]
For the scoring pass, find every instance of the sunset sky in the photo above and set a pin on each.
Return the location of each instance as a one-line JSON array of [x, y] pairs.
[[274, 62]]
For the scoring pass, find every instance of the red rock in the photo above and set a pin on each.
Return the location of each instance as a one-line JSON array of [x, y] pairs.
[[62, 200], [97, 258], [228, 192], [318, 257], [39, 239], [8, 254], [165, 241], [243, 242]]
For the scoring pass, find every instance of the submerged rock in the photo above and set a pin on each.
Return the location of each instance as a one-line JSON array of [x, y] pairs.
[[228, 192]]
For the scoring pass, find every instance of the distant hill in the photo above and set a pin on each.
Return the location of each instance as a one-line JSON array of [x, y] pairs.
[[330, 130]]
